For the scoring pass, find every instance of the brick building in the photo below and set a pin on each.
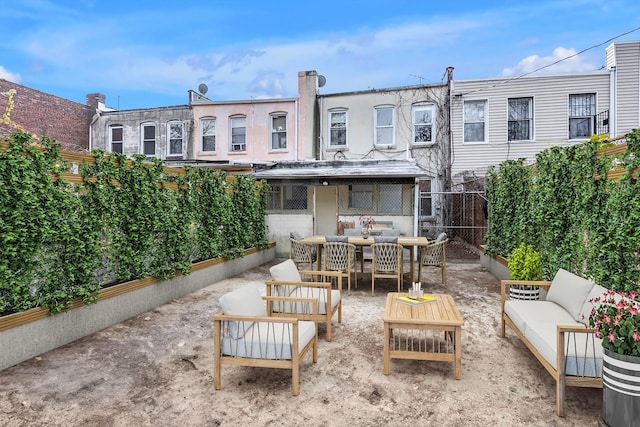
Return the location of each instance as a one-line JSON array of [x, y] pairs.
[[44, 114]]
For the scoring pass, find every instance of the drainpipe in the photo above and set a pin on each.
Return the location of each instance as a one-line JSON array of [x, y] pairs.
[[613, 102], [295, 130]]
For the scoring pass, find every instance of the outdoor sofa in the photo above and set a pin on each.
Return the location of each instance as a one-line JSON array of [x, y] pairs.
[[555, 329]]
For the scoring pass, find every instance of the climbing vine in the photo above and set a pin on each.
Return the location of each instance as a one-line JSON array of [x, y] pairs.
[[568, 210], [126, 218]]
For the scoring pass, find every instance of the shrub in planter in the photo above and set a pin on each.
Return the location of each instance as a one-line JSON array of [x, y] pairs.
[[525, 263]]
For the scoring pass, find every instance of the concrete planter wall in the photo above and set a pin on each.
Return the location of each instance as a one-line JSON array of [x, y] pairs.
[[33, 332], [498, 266]]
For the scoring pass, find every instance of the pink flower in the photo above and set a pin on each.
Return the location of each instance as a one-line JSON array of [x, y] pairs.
[[611, 338], [636, 336]]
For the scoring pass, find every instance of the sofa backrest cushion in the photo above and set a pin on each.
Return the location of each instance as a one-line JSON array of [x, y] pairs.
[[569, 291], [244, 301], [585, 312]]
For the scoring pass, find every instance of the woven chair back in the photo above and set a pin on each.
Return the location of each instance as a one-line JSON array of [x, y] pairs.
[[338, 256], [387, 257], [433, 254]]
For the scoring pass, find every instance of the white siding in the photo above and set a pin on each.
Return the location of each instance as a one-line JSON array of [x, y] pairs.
[[627, 62], [550, 116]]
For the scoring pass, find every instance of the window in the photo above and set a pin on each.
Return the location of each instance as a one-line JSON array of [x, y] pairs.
[[474, 125], [361, 196], [176, 137], [287, 197], [390, 198], [278, 131], [384, 125], [116, 139], [582, 108], [423, 124], [426, 198], [338, 128], [239, 133], [149, 140], [520, 126], [208, 127]]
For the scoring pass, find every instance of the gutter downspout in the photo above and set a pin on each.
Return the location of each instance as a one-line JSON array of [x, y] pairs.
[[295, 130]]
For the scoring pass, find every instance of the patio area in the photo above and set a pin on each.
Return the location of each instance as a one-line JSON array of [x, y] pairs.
[[157, 369]]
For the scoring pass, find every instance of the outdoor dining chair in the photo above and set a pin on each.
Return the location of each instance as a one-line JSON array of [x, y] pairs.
[[434, 255], [340, 256], [386, 261]]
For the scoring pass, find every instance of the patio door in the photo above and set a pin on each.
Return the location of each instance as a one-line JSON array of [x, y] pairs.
[[325, 210]]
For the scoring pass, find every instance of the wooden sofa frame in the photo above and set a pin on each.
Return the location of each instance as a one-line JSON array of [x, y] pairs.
[[562, 379], [315, 316], [220, 324]]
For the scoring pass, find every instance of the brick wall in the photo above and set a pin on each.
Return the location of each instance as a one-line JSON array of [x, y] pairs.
[[44, 114]]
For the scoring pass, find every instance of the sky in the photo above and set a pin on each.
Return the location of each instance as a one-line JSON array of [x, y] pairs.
[[149, 53]]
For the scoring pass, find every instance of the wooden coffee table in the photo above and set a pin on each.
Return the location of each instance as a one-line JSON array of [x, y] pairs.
[[411, 331]]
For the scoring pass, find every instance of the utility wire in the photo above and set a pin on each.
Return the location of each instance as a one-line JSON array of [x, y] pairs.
[[553, 63]]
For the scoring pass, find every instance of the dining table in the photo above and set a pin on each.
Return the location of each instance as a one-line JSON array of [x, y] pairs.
[[408, 242]]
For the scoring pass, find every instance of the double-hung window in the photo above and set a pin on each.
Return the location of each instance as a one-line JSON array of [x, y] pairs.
[[520, 121], [149, 139], [278, 131], [176, 138], [384, 123], [208, 127], [338, 128], [582, 109], [238, 133], [475, 113], [116, 137], [423, 124]]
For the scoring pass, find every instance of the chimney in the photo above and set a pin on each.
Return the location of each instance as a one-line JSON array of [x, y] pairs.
[[95, 99]]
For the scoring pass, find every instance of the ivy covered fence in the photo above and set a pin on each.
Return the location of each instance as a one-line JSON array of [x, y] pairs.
[[579, 206], [70, 227]]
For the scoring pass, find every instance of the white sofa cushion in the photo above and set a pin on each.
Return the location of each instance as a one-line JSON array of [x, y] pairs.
[[244, 301], [542, 334], [522, 312], [569, 291], [268, 340], [585, 312]]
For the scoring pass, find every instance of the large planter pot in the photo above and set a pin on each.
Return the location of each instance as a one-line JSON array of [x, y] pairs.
[[524, 292], [620, 389]]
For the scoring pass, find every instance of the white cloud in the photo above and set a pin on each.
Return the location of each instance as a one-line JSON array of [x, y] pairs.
[[7, 75], [569, 63]]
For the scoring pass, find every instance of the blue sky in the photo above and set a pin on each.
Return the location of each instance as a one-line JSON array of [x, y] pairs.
[[142, 53]]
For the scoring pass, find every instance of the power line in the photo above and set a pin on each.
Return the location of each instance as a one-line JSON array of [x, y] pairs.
[[553, 63]]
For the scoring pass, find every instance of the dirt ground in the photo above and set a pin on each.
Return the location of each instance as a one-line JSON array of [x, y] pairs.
[[157, 370]]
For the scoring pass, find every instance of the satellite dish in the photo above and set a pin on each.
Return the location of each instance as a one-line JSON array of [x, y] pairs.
[[202, 88], [321, 80]]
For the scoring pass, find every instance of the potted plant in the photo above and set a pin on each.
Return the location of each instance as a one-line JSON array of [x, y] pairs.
[[615, 318], [525, 263], [366, 222]]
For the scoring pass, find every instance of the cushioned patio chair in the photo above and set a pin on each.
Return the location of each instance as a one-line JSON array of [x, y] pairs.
[[245, 335], [286, 281], [434, 255]]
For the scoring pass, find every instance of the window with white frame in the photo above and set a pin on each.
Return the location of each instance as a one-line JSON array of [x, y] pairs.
[[384, 123], [116, 139], [149, 139], [520, 119], [474, 121], [175, 131], [582, 109], [423, 124], [426, 198], [338, 128], [278, 131], [238, 133], [361, 196], [208, 134]]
